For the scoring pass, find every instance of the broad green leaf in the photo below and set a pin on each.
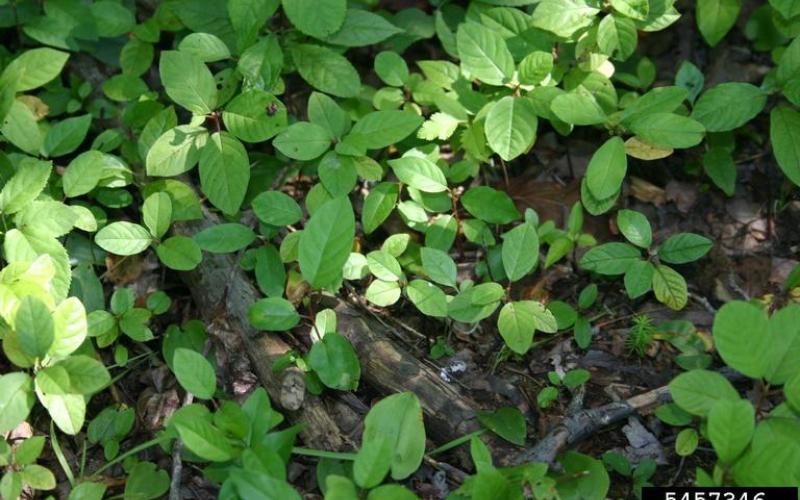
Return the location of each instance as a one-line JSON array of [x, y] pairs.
[[361, 28], [741, 336], [65, 136], [563, 17], [578, 107], [180, 253], [656, 100], [136, 57], [490, 205], [117, 19], [484, 54], [439, 266], [511, 127], [88, 490], [248, 17], [144, 481], [155, 127], [205, 440], [784, 134], [730, 426], [383, 293], [87, 375], [607, 168], [273, 314], [276, 208], [684, 247], [185, 203], [67, 410], [639, 278], [19, 127], [428, 298], [419, 173], [91, 168], [520, 251], [270, 272], [33, 68], [697, 391], [70, 326], [188, 81], [335, 362], [317, 18], [157, 214], [254, 116], [635, 227], [686, 442], [508, 423], [391, 68], [337, 173], [326, 112], [194, 373], [610, 258], [25, 185], [224, 172], [176, 151], [326, 70], [716, 17], [396, 420], [46, 218], [670, 287], [34, 327], [303, 141], [519, 320], [635, 9], [784, 345], [326, 242], [668, 130], [225, 238], [123, 238], [378, 205], [204, 46], [617, 36], [728, 106], [16, 399], [718, 164], [384, 266], [476, 303], [380, 129]]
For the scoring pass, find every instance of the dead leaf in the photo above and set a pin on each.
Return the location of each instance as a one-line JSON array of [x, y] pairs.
[[644, 151], [647, 192]]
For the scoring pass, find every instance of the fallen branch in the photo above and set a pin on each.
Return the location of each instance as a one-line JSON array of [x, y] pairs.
[[584, 423]]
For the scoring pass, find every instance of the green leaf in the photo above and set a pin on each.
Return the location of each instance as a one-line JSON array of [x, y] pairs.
[[519, 320], [277, 208], [25, 185], [34, 327], [378, 205], [205, 440], [428, 298], [508, 423], [668, 130], [180, 253], [86, 374], [204, 46], [383, 293], [88, 491], [123, 238], [68, 411], [69, 322], [607, 168], [617, 37], [439, 266], [16, 399], [715, 18], [563, 17], [224, 172], [337, 173], [578, 107], [784, 345], [38, 477], [384, 266], [326, 70], [520, 251], [728, 106], [697, 391], [419, 173], [490, 205], [325, 112], [273, 314], [194, 373], [335, 362], [730, 426], [303, 141], [65, 136], [639, 278], [145, 481], [747, 353], [254, 116], [610, 258], [326, 242], [391, 68], [635, 227], [394, 424], [225, 238], [380, 129], [635, 9], [511, 127], [20, 128], [248, 17], [657, 100], [484, 54], [88, 169], [317, 18], [719, 166], [33, 68], [670, 287], [784, 134], [362, 28], [684, 247], [686, 442], [188, 81], [136, 57], [792, 392], [157, 214], [176, 151]]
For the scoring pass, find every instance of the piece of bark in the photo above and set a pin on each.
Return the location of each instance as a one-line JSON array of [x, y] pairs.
[[223, 295], [389, 368]]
